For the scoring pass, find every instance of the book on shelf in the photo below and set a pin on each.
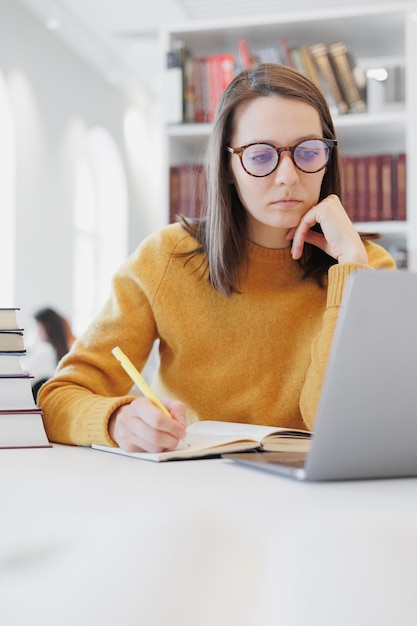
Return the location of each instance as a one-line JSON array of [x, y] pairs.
[[325, 65], [374, 187], [194, 84], [211, 75], [386, 174], [244, 54], [310, 68], [212, 438], [349, 186], [351, 78], [297, 59], [220, 72], [399, 186], [188, 88], [187, 184], [174, 192], [200, 89], [285, 52], [361, 182]]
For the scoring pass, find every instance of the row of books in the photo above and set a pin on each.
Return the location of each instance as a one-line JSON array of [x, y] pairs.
[[331, 66], [21, 420], [374, 188], [194, 84], [187, 184]]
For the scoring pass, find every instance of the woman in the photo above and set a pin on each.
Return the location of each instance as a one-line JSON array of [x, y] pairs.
[[244, 302], [52, 340]]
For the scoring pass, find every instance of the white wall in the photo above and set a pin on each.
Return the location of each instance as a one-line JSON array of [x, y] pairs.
[[55, 98]]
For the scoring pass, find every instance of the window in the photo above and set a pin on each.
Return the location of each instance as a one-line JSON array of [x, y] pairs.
[[100, 223]]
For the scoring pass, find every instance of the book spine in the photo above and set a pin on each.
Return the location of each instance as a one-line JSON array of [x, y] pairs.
[[174, 192], [199, 100], [321, 56], [212, 85], [286, 57], [245, 57], [352, 80], [189, 89], [349, 188], [400, 186], [220, 72], [374, 202], [386, 212], [361, 190], [196, 186], [297, 60], [310, 68]]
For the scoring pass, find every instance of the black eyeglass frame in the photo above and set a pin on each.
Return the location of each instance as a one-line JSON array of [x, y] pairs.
[[330, 143]]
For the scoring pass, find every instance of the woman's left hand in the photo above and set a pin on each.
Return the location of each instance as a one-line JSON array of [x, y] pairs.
[[339, 239]]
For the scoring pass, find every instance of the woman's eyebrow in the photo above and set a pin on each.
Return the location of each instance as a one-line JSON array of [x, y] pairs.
[[295, 141]]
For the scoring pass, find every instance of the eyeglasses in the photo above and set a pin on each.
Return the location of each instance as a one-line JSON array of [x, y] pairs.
[[261, 159]]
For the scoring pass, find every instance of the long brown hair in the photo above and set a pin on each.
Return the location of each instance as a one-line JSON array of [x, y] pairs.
[[222, 233], [55, 330]]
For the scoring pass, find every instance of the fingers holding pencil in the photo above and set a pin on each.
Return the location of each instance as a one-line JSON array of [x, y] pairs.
[[141, 426], [146, 423]]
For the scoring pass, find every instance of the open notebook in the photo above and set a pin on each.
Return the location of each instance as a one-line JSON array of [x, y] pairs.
[[366, 425]]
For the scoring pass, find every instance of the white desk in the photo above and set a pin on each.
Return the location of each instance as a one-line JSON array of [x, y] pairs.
[[93, 538]]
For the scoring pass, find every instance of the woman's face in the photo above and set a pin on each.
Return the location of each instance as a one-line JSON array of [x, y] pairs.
[[275, 203]]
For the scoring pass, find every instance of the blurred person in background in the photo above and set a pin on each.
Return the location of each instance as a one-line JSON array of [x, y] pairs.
[[51, 340]]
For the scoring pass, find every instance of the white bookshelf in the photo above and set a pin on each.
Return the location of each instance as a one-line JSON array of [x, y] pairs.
[[377, 35]]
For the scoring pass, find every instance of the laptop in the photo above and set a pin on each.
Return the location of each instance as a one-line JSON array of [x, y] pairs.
[[366, 424]]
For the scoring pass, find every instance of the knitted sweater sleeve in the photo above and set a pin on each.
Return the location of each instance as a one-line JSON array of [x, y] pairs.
[[89, 383], [337, 276]]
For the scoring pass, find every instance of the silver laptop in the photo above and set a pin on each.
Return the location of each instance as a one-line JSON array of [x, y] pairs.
[[366, 425]]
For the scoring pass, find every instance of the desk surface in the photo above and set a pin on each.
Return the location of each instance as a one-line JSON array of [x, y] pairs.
[[115, 540]]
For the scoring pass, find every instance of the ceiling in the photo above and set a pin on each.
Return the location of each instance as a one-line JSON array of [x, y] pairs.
[[115, 36]]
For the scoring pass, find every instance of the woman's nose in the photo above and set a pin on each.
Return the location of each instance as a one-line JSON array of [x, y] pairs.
[[286, 172]]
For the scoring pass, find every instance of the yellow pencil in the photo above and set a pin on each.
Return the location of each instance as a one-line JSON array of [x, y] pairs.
[[138, 379]]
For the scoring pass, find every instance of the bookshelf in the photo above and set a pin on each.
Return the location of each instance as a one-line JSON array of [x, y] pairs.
[[378, 35]]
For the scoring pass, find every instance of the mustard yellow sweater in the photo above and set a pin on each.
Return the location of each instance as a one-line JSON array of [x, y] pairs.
[[258, 356]]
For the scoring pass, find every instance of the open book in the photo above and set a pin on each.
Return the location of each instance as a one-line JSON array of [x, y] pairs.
[[212, 438]]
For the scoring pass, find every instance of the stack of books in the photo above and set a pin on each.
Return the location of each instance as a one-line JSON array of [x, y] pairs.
[[21, 423]]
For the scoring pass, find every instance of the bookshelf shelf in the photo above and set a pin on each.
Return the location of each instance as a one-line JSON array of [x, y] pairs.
[[393, 129]]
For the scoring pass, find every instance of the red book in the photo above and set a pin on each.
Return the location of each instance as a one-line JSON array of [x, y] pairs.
[[361, 182], [199, 90], [372, 173], [199, 190], [349, 187], [399, 186], [385, 168], [174, 192], [245, 57], [220, 71]]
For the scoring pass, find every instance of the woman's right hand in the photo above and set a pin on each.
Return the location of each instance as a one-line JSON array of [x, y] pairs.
[[339, 238], [141, 427]]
